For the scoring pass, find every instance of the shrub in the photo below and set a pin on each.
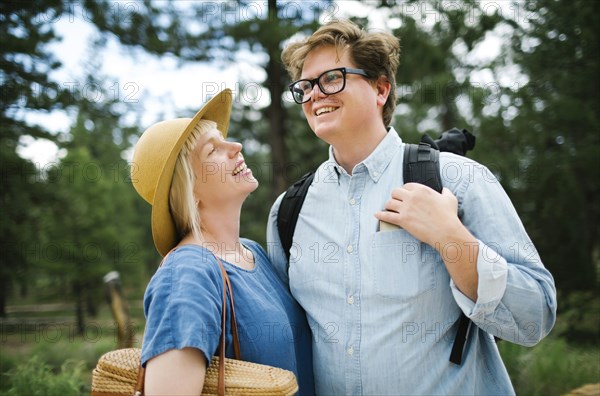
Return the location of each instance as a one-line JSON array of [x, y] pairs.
[[78, 349], [36, 378], [7, 363], [553, 367]]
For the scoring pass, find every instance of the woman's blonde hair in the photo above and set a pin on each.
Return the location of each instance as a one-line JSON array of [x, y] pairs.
[[182, 202], [377, 53]]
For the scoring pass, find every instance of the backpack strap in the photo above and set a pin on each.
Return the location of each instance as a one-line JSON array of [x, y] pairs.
[[289, 209], [462, 333], [422, 165]]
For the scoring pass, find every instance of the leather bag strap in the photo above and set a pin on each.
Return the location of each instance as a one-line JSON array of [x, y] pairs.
[[234, 329], [236, 342]]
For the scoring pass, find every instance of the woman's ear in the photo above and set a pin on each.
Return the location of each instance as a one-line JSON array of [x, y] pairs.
[[383, 87]]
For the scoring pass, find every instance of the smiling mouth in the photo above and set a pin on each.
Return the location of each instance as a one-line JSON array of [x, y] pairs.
[[325, 110], [239, 169]]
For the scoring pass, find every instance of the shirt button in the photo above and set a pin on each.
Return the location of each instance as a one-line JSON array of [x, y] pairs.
[[350, 351], [350, 300], [349, 249], [353, 201], [375, 174]]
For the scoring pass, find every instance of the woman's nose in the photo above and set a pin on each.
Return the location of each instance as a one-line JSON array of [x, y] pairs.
[[234, 148]]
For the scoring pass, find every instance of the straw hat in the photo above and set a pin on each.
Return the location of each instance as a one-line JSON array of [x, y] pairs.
[[154, 160]]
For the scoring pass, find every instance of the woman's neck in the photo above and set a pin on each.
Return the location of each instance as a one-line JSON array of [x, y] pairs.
[[221, 235]]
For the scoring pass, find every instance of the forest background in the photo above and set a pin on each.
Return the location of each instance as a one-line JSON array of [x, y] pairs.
[[522, 76]]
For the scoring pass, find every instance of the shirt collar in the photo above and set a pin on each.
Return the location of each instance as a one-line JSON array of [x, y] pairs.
[[376, 162]]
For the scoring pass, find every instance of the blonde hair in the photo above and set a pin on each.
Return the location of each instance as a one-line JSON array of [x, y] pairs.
[[376, 53], [182, 202]]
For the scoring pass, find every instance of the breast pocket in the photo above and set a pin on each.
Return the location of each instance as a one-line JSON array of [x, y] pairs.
[[403, 267]]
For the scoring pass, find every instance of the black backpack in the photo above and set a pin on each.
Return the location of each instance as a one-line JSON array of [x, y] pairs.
[[421, 165]]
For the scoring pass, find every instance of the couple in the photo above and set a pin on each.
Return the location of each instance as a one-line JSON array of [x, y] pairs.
[[366, 314]]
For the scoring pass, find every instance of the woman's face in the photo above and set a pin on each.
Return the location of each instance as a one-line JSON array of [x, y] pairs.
[[220, 169]]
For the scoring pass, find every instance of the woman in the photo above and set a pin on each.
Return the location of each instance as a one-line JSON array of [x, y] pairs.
[[196, 182]]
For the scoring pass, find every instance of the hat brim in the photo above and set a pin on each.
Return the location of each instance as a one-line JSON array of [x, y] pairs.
[[164, 234]]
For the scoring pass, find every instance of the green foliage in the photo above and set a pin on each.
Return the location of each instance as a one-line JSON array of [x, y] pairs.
[[579, 317], [25, 31], [34, 377], [24, 66], [555, 133], [97, 341], [434, 76], [96, 195], [8, 363], [551, 368]]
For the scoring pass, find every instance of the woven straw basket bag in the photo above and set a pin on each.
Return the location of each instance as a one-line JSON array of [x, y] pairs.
[[119, 372]]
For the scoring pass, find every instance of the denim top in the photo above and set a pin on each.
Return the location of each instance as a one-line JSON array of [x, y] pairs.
[[381, 304], [183, 304]]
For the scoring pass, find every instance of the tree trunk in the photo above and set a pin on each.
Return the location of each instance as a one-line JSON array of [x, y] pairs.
[[275, 112], [78, 294], [3, 294], [90, 304], [448, 118], [119, 308]]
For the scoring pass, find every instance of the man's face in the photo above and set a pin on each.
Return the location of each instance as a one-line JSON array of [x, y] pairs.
[[340, 115]]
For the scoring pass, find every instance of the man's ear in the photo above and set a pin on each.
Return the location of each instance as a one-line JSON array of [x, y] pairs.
[[383, 87]]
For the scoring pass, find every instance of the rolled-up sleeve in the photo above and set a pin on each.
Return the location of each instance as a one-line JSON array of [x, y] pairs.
[[516, 298], [492, 270]]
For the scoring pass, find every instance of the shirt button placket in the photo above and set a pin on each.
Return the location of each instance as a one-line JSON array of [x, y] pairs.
[[352, 286]]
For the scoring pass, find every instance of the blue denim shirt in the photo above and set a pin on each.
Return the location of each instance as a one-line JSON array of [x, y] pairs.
[[381, 304], [183, 303]]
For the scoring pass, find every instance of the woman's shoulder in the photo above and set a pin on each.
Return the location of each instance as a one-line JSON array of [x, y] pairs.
[[249, 243], [187, 265], [189, 257], [256, 248]]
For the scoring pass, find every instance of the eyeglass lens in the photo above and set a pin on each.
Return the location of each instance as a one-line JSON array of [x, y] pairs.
[[330, 82]]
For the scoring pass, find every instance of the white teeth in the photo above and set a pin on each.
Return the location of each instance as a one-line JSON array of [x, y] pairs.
[[322, 110], [240, 168]]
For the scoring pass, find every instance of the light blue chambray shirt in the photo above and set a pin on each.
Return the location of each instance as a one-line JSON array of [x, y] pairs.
[[382, 306]]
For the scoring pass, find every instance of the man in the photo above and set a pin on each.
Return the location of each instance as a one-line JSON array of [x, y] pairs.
[[382, 305]]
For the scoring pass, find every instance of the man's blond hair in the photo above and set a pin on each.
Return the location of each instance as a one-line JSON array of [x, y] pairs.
[[377, 53]]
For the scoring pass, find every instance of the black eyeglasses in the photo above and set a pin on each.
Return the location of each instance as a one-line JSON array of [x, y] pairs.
[[330, 82]]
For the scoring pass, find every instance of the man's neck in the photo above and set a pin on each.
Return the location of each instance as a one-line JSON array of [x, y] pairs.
[[350, 152]]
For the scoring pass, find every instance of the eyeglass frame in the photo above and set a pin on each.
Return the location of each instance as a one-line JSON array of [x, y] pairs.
[[315, 81]]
